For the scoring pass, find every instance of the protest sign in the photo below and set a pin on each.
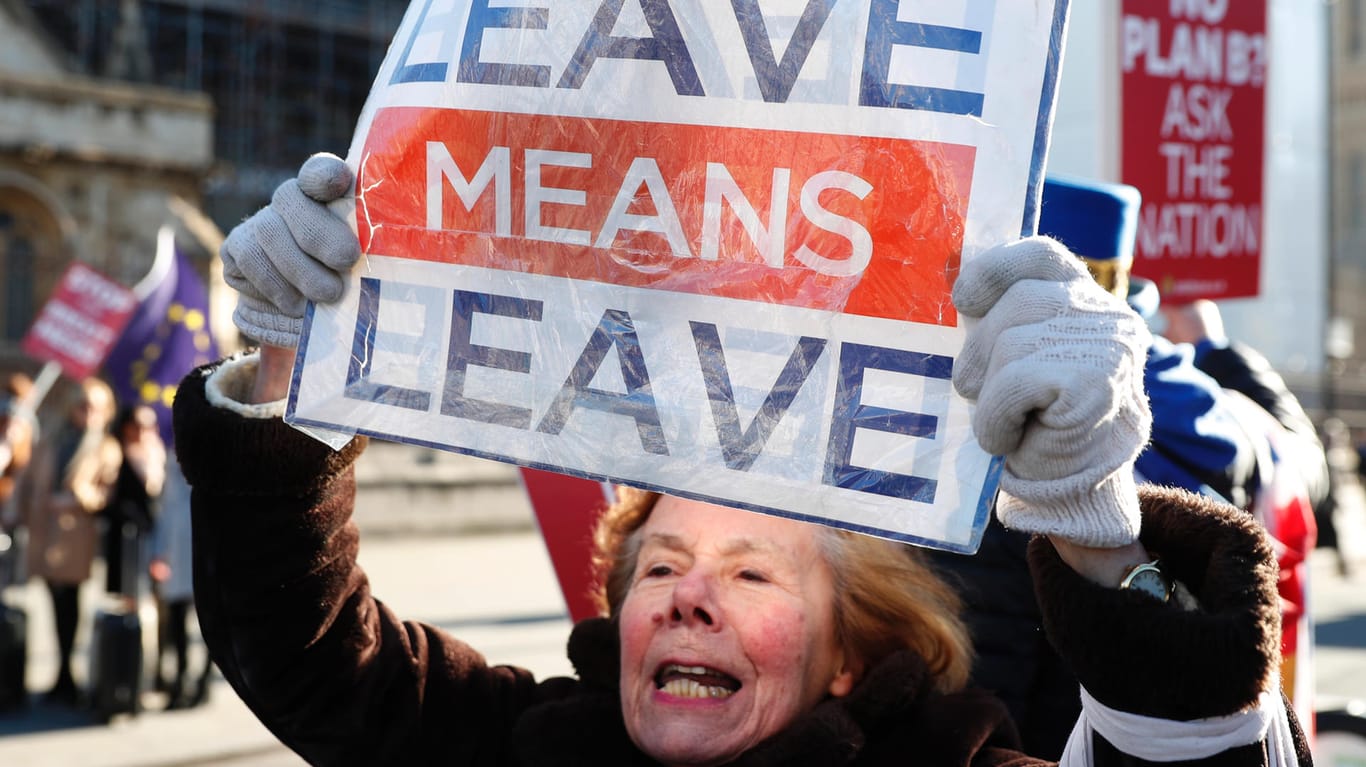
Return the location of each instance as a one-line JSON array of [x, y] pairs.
[[80, 323], [704, 248], [1193, 112]]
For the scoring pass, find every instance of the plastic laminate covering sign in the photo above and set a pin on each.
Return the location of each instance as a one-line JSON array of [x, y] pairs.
[[694, 246]]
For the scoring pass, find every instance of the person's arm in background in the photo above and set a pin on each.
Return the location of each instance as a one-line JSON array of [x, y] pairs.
[[20, 509], [1241, 368], [16, 450]]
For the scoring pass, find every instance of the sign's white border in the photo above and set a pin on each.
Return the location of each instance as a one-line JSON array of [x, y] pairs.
[[1010, 138]]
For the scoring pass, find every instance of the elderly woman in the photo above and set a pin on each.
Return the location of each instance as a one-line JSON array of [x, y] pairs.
[[729, 637]]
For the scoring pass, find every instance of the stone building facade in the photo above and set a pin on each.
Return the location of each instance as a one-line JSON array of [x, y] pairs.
[[90, 169]]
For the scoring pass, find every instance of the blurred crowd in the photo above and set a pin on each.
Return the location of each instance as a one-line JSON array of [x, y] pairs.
[[94, 489]]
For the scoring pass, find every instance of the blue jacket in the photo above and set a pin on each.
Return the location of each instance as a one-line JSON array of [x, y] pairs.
[[1197, 440]]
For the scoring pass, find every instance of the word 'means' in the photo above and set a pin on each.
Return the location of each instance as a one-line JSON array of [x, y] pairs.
[[644, 173]]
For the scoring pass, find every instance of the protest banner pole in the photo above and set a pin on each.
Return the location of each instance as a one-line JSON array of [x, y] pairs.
[[42, 384]]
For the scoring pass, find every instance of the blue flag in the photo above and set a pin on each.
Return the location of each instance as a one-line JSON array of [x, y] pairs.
[[167, 337]]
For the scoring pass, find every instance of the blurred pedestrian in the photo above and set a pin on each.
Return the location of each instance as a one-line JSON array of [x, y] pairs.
[[173, 582], [1294, 483], [1344, 481], [18, 431], [131, 511], [60, 496], [1241, 368]]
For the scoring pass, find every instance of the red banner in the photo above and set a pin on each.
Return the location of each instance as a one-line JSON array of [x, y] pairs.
[[81, 322], [567, 509], [1192, 119], [863, 225]]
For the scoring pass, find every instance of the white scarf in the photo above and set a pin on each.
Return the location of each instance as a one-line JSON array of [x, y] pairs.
[[1166, 740]]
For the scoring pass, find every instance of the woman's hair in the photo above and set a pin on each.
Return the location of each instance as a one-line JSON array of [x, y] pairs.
[[616, 547], [886, 598]]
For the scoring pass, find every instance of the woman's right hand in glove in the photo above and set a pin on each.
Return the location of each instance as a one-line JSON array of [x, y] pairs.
[[290, 252]]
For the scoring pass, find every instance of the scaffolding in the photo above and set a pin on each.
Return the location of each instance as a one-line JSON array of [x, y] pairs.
[[287, 77]]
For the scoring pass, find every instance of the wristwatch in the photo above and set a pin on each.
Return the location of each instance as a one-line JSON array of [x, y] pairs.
[[1149, 578]]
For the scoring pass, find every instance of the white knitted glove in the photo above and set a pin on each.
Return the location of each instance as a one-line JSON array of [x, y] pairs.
[[290, 252], [1055, 364]]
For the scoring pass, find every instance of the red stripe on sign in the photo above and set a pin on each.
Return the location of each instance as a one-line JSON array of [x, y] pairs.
[[867, 226]]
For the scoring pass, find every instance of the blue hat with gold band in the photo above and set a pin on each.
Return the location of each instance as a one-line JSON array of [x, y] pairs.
[[1098, 221]]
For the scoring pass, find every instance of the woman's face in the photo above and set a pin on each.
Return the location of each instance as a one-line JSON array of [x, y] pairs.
[[93, 410], [727, 632]]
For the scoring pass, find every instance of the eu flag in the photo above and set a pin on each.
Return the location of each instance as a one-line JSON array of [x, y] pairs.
[[167, 337]]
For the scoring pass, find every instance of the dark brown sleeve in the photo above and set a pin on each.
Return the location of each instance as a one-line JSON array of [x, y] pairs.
[[288, 616], [1136, 654]]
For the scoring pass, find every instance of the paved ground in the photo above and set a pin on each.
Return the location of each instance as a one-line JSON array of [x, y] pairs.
[[422, 563]]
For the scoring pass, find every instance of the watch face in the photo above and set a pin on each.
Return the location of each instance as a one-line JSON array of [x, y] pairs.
[[1149, 580]]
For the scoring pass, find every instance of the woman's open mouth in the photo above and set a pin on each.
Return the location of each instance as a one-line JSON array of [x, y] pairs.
[[695, 682]]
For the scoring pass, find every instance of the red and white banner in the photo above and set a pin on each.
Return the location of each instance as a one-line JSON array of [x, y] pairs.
[[1192, 123], [81, 322], [704, 248]]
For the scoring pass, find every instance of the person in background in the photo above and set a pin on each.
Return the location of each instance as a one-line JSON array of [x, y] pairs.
[[172, 575], [59, 499], [1344, 478], [1236, 366], [1198, 443], [1199, 440], [18, 433], [1295, 483], [130, 515]]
